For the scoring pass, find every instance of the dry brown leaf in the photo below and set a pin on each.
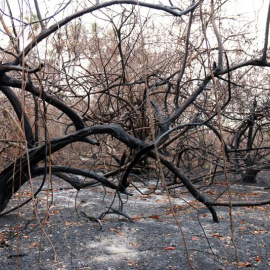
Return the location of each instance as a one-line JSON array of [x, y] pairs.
[[244, 264], [260, 231], [261, 208], [114, 230], [169, 248], [258, 259], [217, 235], [133, 263], [154, 216]]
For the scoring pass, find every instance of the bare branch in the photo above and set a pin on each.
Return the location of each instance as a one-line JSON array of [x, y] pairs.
[[46, 32], [39, 14], [220, 45], [266, 37]]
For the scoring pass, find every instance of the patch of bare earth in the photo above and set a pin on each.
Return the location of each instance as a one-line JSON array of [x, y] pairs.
[[68, 240]]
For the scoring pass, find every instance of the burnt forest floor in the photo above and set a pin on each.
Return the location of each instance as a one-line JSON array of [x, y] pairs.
[[150, 239]]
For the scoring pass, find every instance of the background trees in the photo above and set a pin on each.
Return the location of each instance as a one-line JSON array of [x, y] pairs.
[[112, 91]]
